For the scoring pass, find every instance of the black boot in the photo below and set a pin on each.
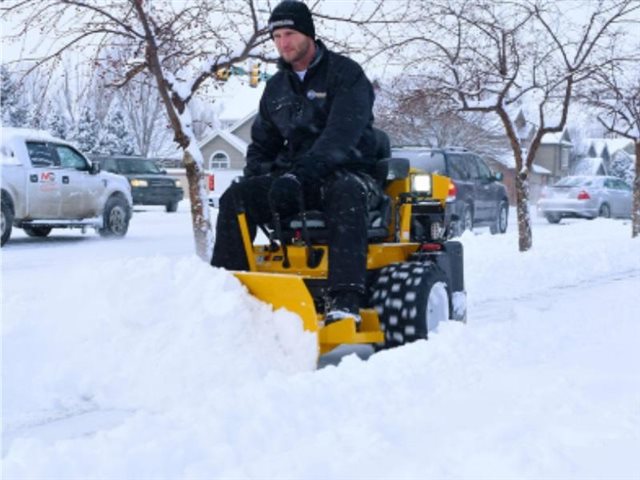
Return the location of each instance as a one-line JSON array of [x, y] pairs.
[[343, 304]]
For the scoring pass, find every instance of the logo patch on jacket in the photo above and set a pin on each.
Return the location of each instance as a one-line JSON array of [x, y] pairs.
[[312, 94]]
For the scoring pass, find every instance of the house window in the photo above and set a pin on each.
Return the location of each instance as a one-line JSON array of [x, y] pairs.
[[219, 160], [564, 159]]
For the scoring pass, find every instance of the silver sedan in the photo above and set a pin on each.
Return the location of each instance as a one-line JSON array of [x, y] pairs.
[[586, 197]]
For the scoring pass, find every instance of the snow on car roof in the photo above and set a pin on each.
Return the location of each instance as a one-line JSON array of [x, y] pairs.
[[11, 133]]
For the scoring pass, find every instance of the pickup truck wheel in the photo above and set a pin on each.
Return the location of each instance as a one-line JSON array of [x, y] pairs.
[[36, 231], [6, 221], [116, 218], [171, 207]]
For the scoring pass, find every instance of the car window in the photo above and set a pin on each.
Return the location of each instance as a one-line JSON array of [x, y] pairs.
[[41, 155], [574, 182], [484, 171], [129, 167], [109, 164], [422, 160], [69, 158], [459, 167], [620, 185]]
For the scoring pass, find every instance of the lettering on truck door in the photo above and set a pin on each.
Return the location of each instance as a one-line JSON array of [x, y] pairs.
[[80, 190], [44, 193]]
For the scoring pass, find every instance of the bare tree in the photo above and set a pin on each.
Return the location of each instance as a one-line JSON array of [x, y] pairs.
[[412, 116], [179, 45], [615, 92], [145, 114], [492, 56]]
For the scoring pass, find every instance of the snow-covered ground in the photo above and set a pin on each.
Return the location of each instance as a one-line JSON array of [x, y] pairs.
[[133, 359]]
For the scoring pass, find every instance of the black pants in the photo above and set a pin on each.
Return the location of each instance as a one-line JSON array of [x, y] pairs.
[[343, 199]]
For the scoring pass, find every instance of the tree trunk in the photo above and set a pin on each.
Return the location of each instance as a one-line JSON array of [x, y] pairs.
[[200, 217], [635, 216], [524, 219]]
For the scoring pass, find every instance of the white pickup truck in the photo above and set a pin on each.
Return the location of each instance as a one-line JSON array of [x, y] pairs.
[[47, 183]]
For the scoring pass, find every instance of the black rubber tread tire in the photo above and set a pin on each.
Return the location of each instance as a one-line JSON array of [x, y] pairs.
[[171, 207], [400, 294], [604, 211], [461, 224], [37, 231], [500, 226], [552, 218], [116, 218], [7, 221]]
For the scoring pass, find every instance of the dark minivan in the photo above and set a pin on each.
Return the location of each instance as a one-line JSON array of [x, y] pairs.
[[150, 185], [479, 197]]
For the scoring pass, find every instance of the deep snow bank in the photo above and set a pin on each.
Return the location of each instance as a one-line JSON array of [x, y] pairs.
[[138, 333]]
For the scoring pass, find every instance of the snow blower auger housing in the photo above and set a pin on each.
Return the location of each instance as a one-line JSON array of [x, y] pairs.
[[414, 274]]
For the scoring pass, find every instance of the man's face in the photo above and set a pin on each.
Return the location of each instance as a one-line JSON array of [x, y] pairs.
[[292, 45]]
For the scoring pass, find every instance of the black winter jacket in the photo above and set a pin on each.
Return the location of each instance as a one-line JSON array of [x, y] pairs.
[[327, 116]]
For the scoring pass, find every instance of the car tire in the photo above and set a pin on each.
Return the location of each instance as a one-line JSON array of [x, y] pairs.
[[6, 221], [552, 217], [116, 218], [171, 207], [604, 211], [411, 299], [467, 218], [37, 231], [502, 219], [465, 222]]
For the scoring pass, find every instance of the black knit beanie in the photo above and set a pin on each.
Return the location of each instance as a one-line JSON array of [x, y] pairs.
[[294, 15]]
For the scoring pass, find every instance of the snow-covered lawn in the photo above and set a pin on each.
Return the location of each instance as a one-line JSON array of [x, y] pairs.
[[133, 359]]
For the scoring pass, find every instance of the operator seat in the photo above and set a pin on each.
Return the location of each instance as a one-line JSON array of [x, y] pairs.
[[386, 169]]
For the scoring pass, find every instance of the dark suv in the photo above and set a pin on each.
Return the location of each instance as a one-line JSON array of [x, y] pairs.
[[150, 185], [479, 197]]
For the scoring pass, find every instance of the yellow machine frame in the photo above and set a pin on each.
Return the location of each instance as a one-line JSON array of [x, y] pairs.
[[268, 279]]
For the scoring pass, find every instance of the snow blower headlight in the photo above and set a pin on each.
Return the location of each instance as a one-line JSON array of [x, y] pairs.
[[421, 184]]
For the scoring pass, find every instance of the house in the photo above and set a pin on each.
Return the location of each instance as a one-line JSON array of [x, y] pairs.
[[506, 164], [601, 154], [554, 153], [550, 163], [590, 166], [226, 148]]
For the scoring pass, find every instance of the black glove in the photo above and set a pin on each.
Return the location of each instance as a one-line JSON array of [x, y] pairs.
[[311, 168], [284, 195], [255, 169]]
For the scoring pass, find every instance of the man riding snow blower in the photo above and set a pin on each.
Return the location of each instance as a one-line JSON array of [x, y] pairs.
[[313, 137], [357, 242]]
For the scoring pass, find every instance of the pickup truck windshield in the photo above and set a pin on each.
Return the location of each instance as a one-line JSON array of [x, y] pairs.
[[128, 167]]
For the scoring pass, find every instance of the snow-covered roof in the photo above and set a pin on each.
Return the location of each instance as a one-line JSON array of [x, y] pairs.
[[555, 138], [10, 137], [9, 133], [242, 120], [510, 162], [587, 166], [612, 144], [234, 140], [238, 100]]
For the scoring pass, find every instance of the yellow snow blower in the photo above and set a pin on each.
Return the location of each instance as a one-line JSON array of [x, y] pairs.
[[414, 273]]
